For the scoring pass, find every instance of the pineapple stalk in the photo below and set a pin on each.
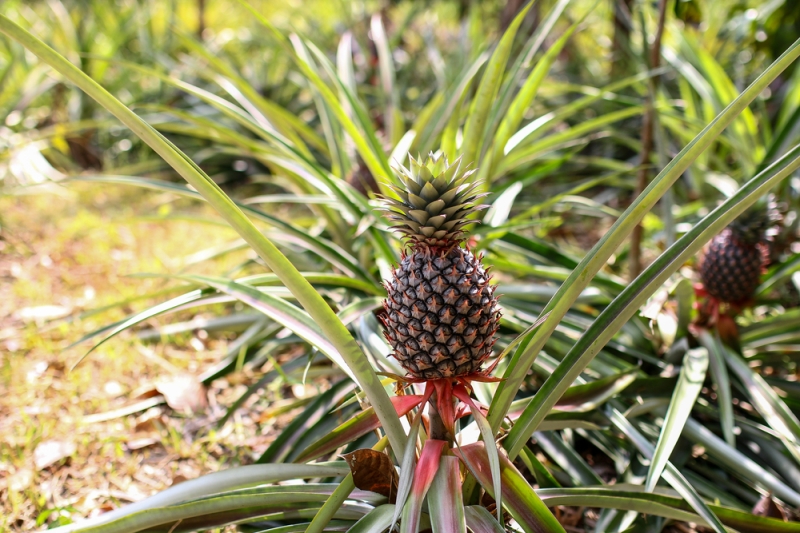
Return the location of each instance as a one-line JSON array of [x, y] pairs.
[[438, 427]]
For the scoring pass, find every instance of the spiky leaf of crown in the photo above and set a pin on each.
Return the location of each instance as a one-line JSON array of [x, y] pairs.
[[435, 199], [752, 226]]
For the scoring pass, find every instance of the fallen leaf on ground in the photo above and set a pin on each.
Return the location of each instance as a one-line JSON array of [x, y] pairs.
[[20, 480], [42, 313], [184, 393], [50, 452]]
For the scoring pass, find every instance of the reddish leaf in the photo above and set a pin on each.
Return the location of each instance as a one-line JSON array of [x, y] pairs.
[[373, 471], [359, 425], [445, 503], [427, 466], [488, 436], [423, 477]]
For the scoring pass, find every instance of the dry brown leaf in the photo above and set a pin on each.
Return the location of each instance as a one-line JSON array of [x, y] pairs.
[[147, 423], [50, 452], [184, 393], [20, 480], [373, 471], [766, 506]]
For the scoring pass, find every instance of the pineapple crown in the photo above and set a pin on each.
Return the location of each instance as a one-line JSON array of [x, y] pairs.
[[753, 225], [435, 199]]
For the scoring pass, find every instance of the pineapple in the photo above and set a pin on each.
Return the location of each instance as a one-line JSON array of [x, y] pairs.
[[732, 266], [441, 312]]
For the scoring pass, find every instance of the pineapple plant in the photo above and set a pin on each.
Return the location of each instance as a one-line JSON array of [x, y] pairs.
[[441, 312], [732, 266]]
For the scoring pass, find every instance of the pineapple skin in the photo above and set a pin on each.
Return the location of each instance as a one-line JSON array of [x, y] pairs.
[[441, 312], [731, 268]]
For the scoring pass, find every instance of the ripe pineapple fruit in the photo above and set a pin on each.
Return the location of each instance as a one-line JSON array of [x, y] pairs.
[[441, 312], [732, 266]]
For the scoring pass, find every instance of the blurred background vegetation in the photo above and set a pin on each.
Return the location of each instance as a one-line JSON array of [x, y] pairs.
[[95, 229]]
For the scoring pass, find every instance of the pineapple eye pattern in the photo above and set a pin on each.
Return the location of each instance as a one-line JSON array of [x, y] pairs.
[[447, 327], [734, 260]]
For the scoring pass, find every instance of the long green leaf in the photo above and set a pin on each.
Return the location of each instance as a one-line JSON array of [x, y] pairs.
[[487, 90], [567, 458], [214, 483], [256, 104], [628, 497], [543, 124], [588, 396], [693, 374], [530, 152], [365, 143], [719, 373], [767, 403], [425, 140], [525, 506], [280, 311], [480, 520], [376, 521], [392, 117], [523, 100], [240, 506], [671, 474], [513, 78], [726, 455]]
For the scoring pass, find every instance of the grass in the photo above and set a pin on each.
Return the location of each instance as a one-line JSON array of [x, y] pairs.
[[73, 250]]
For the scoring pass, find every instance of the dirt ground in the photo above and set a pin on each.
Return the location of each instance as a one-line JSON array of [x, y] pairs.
[[130, 419]]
